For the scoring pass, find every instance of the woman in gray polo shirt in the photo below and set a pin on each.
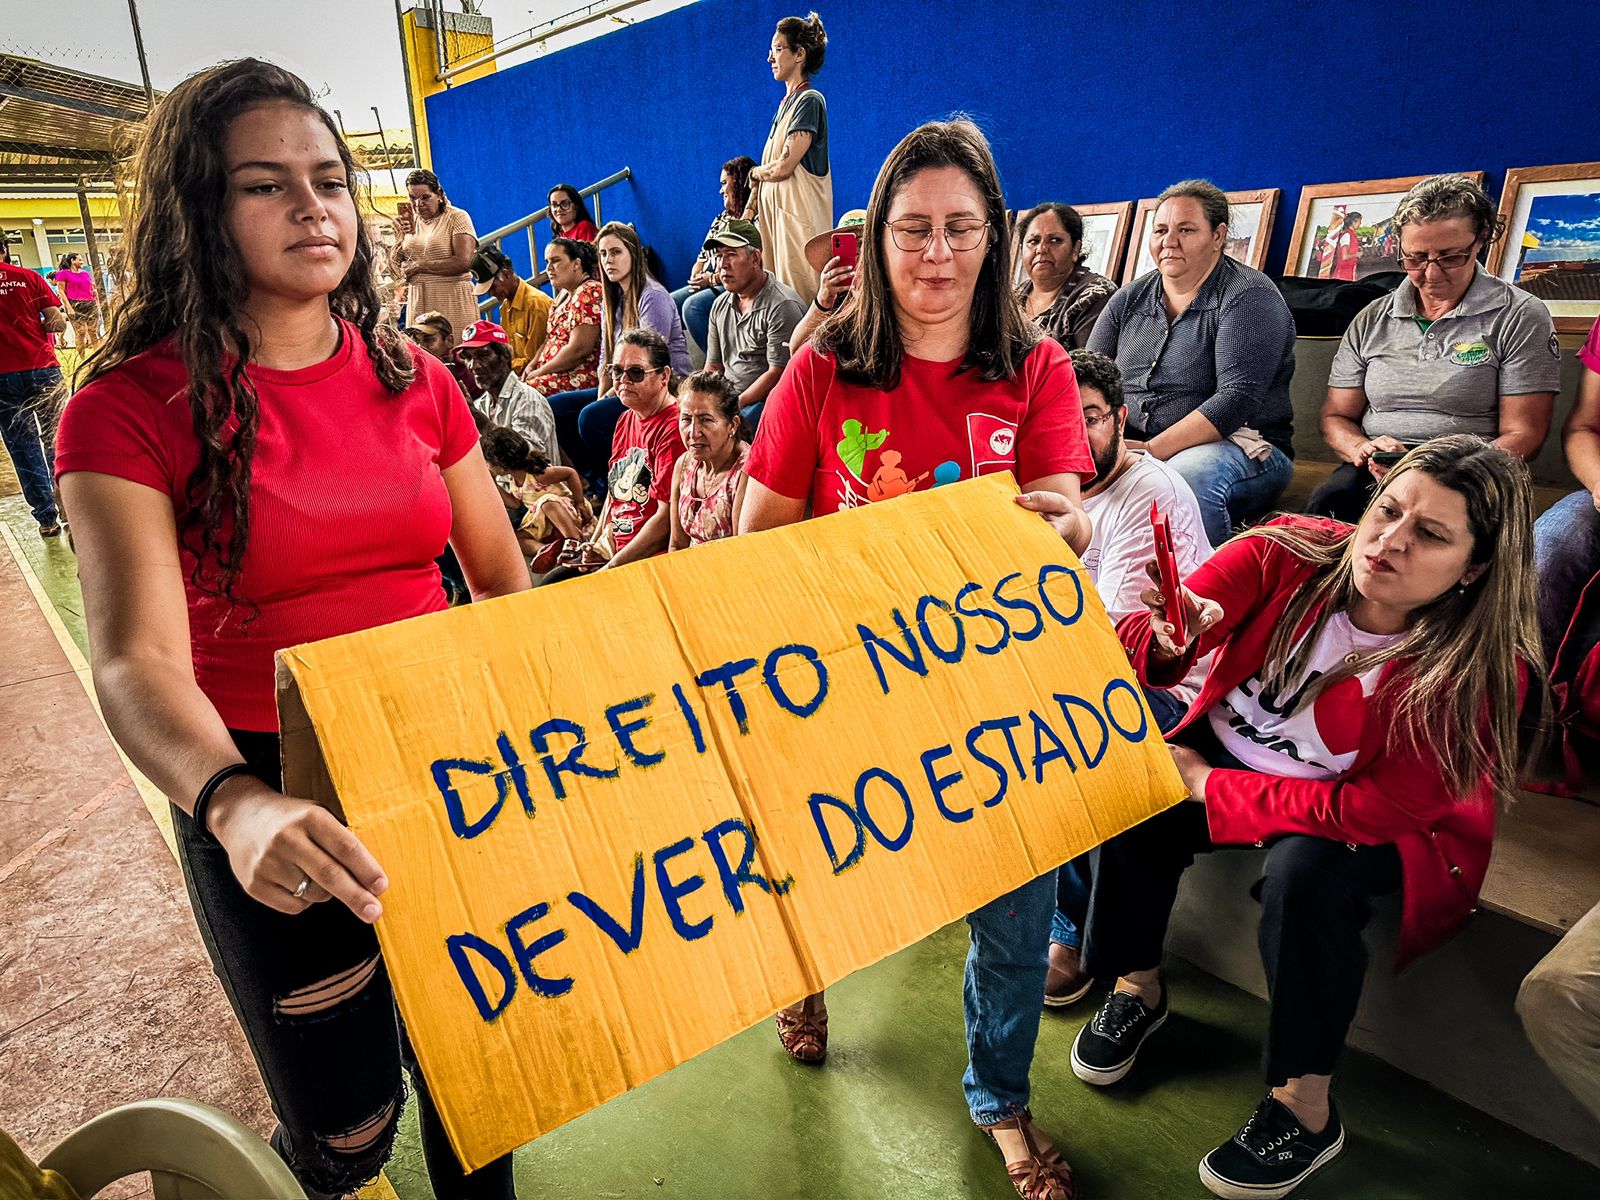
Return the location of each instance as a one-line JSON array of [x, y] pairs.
[[1451, 350], [1206, 348]]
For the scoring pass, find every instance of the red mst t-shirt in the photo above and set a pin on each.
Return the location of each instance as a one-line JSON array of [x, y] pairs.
[[643, 454], [24, 344], [842, 445], [348, 506]]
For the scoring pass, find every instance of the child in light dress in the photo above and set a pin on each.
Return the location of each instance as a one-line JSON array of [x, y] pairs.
[[549, 497]]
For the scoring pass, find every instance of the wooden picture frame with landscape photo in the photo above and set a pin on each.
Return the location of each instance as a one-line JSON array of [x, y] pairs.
[[1321, 203], [1551, 244], [1105, 230], [1261, 212]]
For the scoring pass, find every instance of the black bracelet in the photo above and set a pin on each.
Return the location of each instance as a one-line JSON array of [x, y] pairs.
[[202, 802], [818, 302]]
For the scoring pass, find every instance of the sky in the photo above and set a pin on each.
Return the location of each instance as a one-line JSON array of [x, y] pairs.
[[1568, 226], [349, 50]]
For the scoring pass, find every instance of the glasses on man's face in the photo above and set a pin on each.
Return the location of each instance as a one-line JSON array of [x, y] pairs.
[[1095, 420], [1450, 260], [634, 374], [912, 237]]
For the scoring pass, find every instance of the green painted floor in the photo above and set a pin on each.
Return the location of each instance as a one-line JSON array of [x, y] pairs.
[[885, 1117]]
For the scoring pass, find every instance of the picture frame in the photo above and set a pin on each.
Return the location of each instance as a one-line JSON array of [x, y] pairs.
[[1105, 235], [1551, 245], [1325, 206], [1249, 231]]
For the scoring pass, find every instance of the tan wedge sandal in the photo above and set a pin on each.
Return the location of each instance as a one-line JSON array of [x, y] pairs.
[[803, 1030], [1043, 1174]]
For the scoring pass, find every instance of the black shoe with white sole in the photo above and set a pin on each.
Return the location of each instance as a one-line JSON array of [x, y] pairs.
[[1105, 1048], [1271, 1156]]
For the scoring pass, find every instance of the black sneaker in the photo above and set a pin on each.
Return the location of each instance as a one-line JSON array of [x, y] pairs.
[[1271, 1156], [1106, 1047]]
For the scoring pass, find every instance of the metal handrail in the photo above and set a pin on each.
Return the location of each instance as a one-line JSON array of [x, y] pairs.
[[528, 223]]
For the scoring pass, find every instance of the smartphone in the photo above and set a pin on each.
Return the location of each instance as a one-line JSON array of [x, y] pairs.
[[846, 247], [1171, 582], [1387, 458], [405, 209]]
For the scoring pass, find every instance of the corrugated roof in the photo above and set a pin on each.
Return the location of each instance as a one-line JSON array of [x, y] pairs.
[[55, 115]]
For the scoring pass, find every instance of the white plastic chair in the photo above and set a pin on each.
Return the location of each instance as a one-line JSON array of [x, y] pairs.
[[192, 1151]]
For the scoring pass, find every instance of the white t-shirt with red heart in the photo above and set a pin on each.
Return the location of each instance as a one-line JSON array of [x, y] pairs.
[[1277, 735]]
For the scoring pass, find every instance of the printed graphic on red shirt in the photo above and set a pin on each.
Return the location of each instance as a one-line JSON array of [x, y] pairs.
[[629, 480], [993, 442]]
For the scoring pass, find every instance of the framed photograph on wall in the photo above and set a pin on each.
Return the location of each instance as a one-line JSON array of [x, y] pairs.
[[1551, 246], [1344, 231], [1249, 231], [1105, 235]]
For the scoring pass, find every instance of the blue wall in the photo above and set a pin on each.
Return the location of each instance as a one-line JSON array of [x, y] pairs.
[[1083, 102]]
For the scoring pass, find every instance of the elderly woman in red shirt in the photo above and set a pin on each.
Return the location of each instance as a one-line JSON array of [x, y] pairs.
[[1360, 720]]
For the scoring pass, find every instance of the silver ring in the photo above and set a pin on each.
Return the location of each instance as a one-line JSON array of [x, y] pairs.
[[299, 892]]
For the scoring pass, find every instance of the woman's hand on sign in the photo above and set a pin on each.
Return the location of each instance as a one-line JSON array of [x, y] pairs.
[[1192, 769], [1200, 614], [1065, 515], [275, 841]]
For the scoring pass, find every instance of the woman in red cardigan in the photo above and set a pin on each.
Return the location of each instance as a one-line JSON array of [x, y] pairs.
[[1360, 722]]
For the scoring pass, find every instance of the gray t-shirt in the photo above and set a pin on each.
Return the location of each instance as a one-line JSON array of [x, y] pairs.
[[1499, 341], [806, 112], [747, 343]]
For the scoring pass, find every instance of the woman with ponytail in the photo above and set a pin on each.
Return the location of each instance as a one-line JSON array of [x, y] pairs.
[[791, 194], [252, 462]]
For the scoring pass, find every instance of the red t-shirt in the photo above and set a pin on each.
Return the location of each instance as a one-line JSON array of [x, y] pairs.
[[583, 231], [24, 344], [842, 445], [643, 454], [348, 506]]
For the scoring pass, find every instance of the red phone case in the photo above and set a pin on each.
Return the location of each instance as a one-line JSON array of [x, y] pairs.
[[1171, 581], [847, 249]]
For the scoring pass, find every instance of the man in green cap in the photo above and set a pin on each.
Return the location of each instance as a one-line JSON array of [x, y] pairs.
[[524, 309], [751, 322]]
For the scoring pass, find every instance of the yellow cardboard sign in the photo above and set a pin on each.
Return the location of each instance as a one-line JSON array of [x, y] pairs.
[[626, 818]]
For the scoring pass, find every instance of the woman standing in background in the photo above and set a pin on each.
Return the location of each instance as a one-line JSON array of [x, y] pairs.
[[792, 196], [436, 249]]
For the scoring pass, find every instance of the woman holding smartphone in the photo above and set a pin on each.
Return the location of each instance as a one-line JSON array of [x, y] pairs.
[[1451, 350], [254, 461], [435, 252], [1359, 724]]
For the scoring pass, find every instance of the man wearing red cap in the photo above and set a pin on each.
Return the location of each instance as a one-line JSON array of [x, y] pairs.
[[504, 399]]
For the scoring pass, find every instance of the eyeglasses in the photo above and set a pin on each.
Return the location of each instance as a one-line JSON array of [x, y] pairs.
[[561, 204], [913, 237], [636, 374], [1095, 422], [1449, 261]]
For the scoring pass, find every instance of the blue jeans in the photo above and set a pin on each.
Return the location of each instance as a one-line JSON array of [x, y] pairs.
[[1566, 555], [1231, 486], [28, 443], [597, 424], [1002, 995], [1074, 879], [567, 406], [694, 305]]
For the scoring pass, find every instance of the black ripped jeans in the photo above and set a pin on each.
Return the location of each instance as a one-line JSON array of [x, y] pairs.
[[313, 996]]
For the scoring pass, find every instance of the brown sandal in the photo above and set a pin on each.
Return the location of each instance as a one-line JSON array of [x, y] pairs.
[[803, 1030], [1044, 1174]]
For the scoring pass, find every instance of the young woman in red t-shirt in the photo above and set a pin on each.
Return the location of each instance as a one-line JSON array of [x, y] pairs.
[[933, 374], [1359, 724], [254, 462]]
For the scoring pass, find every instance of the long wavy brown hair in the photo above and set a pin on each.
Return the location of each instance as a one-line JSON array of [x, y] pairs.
[[1463, 653], [186, 281]]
